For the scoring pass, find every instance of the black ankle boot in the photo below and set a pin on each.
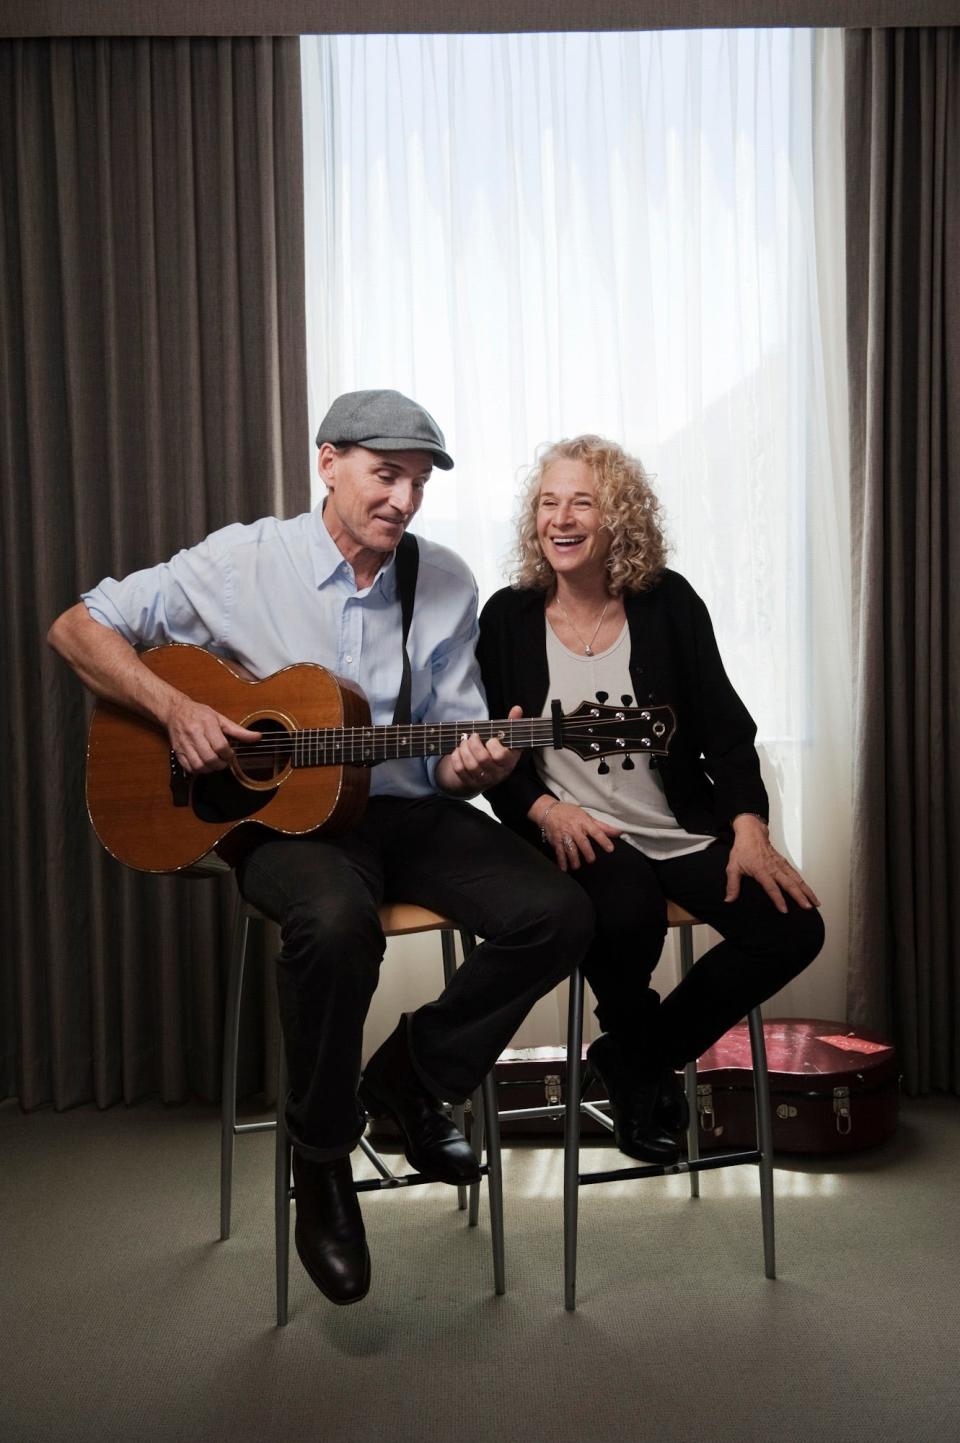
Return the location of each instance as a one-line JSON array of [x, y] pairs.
[[633, 1102], [432, 1143], [329, 1235], [672, 1110]]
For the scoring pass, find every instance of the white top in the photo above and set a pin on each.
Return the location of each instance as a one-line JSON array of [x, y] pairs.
[[631, 798], [277, 592]]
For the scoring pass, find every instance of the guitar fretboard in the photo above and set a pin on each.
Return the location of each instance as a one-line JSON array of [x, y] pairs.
[[365, 746], [591, 730]]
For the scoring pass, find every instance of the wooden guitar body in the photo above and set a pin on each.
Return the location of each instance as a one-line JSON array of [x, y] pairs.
[[148, 815]]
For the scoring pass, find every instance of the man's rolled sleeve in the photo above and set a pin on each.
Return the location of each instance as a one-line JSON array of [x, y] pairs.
[[185, 599]]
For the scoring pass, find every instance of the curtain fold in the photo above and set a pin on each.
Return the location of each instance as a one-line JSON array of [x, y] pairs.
[[903, 262], [153, 388]]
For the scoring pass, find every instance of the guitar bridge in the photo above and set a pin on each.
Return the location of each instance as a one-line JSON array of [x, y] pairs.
[[179, 783]]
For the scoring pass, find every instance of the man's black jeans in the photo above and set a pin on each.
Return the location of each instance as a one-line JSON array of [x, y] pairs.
[[324, 892]]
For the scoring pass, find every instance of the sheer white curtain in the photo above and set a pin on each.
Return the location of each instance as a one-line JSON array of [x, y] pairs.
[[638, 235]]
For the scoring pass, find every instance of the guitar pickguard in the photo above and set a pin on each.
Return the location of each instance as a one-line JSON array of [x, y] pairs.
[[219, 797]]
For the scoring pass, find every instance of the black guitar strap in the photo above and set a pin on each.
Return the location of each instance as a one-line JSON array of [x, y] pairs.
[[408, 564]]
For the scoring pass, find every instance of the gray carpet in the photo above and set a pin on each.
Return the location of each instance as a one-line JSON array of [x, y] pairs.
[[124, 1318]]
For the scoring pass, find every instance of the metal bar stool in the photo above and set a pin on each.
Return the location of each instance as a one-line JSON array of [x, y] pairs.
[[574, 1179], [397, 919]]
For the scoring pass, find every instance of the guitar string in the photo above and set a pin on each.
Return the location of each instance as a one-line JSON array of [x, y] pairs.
[[539, 730], [530, 727]]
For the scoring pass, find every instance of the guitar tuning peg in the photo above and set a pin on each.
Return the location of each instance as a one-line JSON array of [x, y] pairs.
[[628, 764], [602, 769], [626, 699], [602, 696]]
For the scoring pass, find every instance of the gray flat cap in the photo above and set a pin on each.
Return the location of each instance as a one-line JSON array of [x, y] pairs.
[[383, 421]]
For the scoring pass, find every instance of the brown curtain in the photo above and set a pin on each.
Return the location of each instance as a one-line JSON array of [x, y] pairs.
[[152, 352], [903, 278]]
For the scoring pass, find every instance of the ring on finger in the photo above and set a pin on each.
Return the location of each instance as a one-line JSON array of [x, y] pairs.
[[567, 842]]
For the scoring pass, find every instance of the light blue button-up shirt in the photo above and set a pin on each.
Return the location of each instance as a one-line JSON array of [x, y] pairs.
[[277, 592]]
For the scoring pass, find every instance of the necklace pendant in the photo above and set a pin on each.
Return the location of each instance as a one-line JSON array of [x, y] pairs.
[[587, 645]]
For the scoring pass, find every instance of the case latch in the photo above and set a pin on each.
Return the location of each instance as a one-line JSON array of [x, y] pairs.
[[552, 1090], [705, 1112], [841, 1108]]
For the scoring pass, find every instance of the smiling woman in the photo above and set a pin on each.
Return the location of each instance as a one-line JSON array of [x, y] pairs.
[[690, 826], [607, 489]]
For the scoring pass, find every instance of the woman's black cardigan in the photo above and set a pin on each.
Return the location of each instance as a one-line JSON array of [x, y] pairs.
[[712, 772]]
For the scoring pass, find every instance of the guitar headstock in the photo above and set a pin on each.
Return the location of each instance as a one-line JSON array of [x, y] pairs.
[[596, 729]]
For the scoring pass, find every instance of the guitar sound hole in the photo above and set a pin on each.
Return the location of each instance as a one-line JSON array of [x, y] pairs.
[[222, 797], [260, 761]]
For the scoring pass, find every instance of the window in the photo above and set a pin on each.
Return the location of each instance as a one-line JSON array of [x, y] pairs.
[[540, 235]]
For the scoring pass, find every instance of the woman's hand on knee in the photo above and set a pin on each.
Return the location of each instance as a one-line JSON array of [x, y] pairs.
[[572, 833], [753, 855]]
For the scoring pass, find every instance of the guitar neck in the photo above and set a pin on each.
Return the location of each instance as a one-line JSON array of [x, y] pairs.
[[591, 730], [366, 746]]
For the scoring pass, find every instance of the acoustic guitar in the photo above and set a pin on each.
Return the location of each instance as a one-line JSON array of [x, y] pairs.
[[309, 771]]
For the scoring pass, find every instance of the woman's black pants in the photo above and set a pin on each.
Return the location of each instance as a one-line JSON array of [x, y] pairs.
[[762, 949]]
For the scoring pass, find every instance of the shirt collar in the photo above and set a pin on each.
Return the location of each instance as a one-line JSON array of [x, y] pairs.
[[328, 560]]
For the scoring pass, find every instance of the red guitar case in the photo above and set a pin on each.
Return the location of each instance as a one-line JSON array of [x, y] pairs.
[[834, 1089]]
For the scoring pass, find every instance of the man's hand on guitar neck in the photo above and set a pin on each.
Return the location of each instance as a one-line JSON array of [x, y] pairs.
[[477, 765]]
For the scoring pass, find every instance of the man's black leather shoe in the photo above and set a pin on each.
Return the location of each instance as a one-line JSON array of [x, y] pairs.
[[329, 1234], [633, 1101], [432, 1144]]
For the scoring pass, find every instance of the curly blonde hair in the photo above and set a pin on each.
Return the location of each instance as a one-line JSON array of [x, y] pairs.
[[628, 508]]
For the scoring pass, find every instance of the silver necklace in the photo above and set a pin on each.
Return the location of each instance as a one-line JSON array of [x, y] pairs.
[[587, 645]]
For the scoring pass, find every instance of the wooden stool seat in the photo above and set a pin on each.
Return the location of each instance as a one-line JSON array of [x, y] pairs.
[[400, 918]]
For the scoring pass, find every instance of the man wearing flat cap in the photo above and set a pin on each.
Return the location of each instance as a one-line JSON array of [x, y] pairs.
[[329, 587]]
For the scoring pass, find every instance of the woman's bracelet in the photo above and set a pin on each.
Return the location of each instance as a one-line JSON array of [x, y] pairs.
[[543, 820]]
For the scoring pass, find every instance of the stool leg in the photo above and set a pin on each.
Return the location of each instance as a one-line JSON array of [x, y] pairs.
[[459, 1122], [690, 1071], [761, 1096], [449, 967], [369, 1151], [231, 1042], [491, 1128], [693, 1126], [571, 1140], [478, 1128], [282, 1195]]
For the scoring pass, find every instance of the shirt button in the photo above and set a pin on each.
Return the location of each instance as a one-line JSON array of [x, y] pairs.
[[348, 658]]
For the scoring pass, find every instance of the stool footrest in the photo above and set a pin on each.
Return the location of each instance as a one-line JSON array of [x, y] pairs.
[[556, 1113], [593, 1110], [410, 1179], [700, 1164]]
